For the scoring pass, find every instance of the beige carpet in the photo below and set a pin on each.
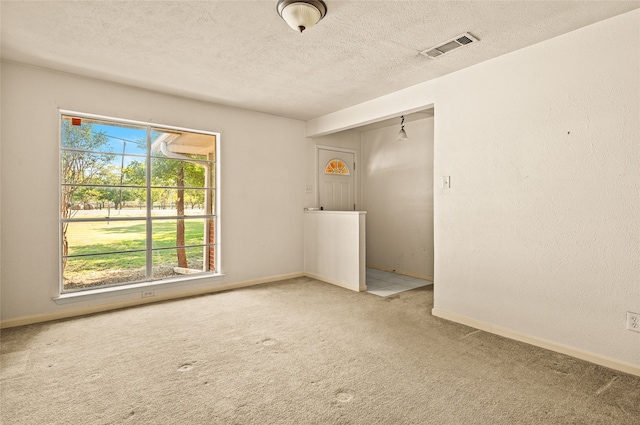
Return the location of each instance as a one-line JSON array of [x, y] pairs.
[[296, 352]]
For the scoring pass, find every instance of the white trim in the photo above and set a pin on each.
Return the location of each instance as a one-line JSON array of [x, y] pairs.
[[539, 342], [402, 102], [65, 297], [128, 288], [362, 288], [81, 311], [336, 212], [60, 237], [218, 211], [386, 269], [134, 122]]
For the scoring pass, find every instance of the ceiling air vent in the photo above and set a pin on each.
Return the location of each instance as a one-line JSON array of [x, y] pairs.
[[449, 45]]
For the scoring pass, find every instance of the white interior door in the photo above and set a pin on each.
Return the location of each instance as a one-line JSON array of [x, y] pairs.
[[336, 176]]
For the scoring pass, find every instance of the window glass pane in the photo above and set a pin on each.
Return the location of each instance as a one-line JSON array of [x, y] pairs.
[[163, 201], [178, 173], [102, 270], [102, 202], [102, 136], [178, 261], [167, 143], [168, 233], [132, 170], [166, 202], [86, 167], [336, 166], [80, 167], [198, 201], [103, 237]]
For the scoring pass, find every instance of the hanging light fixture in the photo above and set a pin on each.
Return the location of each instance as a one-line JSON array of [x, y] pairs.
[[301, 14], [402, 135]]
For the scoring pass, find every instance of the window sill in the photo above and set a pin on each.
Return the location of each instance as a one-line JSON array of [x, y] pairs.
[[134, 288]]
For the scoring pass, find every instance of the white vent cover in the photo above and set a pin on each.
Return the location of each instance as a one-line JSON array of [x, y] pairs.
[[449, 45]]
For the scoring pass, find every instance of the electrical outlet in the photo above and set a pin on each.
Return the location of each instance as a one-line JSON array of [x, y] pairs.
[[147, 294], [633, 321]]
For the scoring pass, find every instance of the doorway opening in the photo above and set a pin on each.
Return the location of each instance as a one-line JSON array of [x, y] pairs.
[[397, 187]]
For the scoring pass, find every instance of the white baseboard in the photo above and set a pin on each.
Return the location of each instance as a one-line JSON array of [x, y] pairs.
[[539, 342], [334, 282], [386, 269], [81, 311]]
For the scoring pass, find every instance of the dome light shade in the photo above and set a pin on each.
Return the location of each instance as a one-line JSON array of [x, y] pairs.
[[301, 14]]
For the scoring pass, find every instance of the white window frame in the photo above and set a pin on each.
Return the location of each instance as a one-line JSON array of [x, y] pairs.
[[67, 296]]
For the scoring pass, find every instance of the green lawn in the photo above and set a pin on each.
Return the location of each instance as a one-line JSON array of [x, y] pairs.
[[109, 237]]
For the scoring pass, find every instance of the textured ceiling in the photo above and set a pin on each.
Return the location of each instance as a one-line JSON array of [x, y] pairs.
[[240, 53]]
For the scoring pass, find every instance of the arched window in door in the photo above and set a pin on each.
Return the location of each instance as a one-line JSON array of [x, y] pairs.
[[336, 166]]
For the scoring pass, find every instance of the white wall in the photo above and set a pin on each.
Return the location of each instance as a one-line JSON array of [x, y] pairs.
[[397, 192], [539, 234], [262, 204], [540, 230], [335, 250]]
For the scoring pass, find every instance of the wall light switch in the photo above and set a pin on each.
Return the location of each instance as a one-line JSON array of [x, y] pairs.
[[309, 188], [446, 182], [633, 321]]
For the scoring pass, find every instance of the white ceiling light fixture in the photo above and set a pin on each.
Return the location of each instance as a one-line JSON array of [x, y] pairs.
[[301, 14], [402, 135]]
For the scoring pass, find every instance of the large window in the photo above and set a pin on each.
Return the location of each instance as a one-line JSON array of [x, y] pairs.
[[138, 202]]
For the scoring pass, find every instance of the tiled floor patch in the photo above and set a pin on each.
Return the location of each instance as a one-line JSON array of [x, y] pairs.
[[383, 284]]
